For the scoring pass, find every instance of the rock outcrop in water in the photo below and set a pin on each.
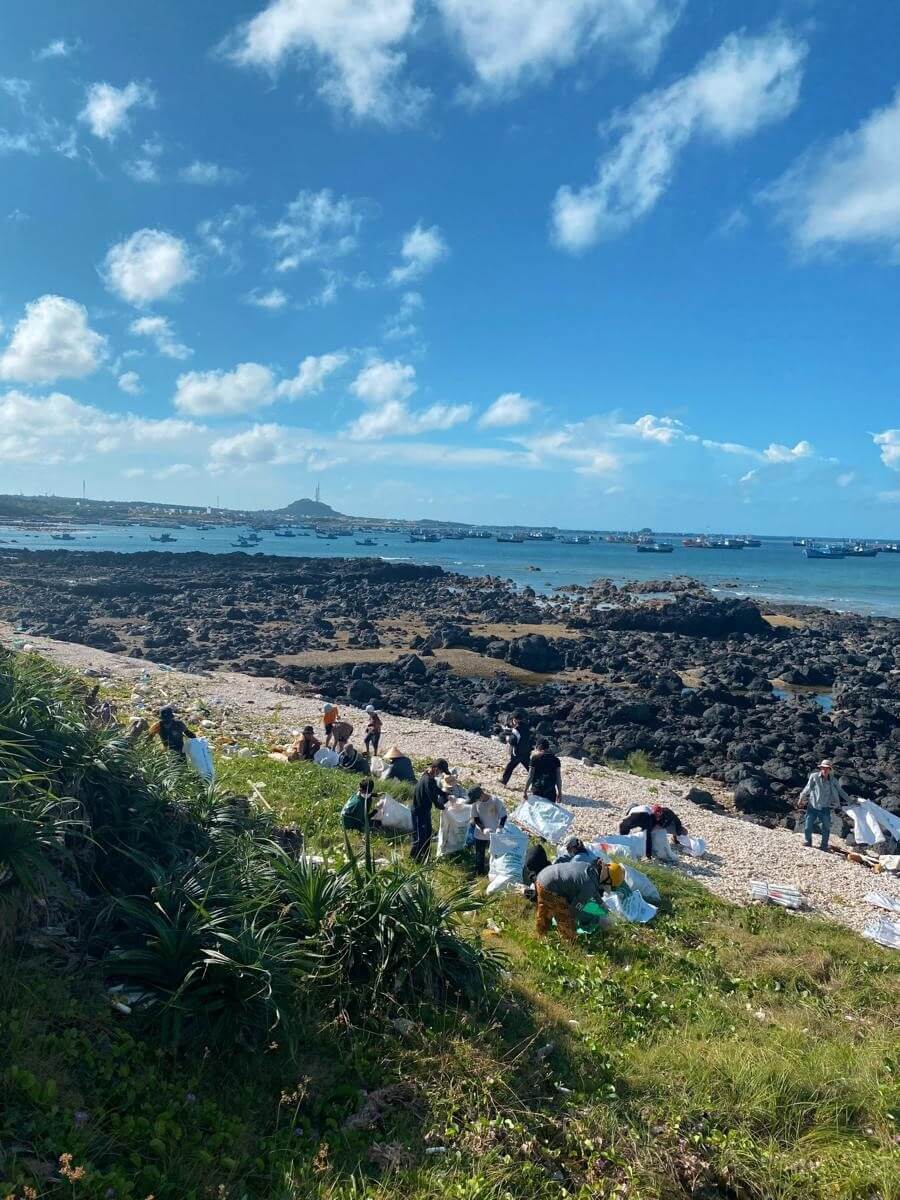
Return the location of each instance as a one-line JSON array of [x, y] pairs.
[[687, 681]]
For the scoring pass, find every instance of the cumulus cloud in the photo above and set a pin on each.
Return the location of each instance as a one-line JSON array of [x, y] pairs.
[[422, 249], [160, 331], [148, 266], [395, 419], [352, 46], [53, 340], [512, 44], [889, 443], [173, 470], [381, 382], [221, 235], [274, 299], [748, 82], [224, 393], [107, 109], [208, 174], [776, 453], [130, 382], [316, 227], [664, 430], [58, 48], [510, 409], [56, 429], [401, 324], [312, 375], [848, 192]]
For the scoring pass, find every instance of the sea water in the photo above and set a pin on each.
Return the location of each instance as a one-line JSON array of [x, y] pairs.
[[776, 570]]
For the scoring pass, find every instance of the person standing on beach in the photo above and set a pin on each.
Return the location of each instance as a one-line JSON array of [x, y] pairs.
[[518, 738], [373, 730], [822, 794], [488, 816], [329, 716], [428, 795], [544, 774]]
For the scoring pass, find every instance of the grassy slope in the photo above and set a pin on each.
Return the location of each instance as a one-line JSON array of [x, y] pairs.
[[718, 1052]]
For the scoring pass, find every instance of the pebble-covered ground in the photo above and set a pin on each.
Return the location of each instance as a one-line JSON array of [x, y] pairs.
[[252, 713]]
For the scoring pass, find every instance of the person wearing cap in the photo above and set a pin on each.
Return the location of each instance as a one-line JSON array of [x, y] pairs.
[[576, 851], [350, 759], [659, 824], [397, 765], [170, 730], [822, 795], [488, 815], [518, 737], [428, 795], [359, 810], [373, 730], [329, 717], [565, 887], [306, 747]]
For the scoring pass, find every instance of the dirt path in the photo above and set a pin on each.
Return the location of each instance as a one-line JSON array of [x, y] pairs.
[[254, 712]]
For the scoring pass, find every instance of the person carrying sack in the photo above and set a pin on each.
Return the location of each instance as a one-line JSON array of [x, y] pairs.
[[488, 815]]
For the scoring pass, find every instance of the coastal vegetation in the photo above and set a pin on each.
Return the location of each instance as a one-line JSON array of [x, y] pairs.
[[189, 1010]]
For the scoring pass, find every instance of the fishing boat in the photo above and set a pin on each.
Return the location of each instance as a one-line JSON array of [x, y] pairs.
[[423, 535], [63, 537], [541, 535], [323, 536], [285, 533], [480, 534], [366, 542], [509, 537], [163, 537], [751, 542], [578, 539], [244, 543], [861, 550], [827, 551], [654, 547]]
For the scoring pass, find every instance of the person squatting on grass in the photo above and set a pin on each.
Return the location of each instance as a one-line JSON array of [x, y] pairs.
[[822, 795], [373, 731], [171, 731], [361, 806], [565, 887], [488, 815], [428, 795], [306, 747]]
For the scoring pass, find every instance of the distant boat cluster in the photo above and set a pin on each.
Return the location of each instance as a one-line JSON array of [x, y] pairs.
[[813, 549]]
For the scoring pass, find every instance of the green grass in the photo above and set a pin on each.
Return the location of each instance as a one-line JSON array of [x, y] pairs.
[[719, 1052], [638, 763]]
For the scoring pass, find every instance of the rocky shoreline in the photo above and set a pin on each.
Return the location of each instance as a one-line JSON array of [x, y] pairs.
[[662, 668]]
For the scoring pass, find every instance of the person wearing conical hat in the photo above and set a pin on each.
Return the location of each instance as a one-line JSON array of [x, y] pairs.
[[398, 765]]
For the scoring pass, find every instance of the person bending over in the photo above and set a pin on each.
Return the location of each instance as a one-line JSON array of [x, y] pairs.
[[170, 730], [306, 747], [564, 888], [397, 765]]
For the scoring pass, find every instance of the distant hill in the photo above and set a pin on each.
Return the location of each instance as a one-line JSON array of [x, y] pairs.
[[309, 508]]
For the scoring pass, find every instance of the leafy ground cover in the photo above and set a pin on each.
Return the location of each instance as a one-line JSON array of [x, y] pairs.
[[719, 1052]]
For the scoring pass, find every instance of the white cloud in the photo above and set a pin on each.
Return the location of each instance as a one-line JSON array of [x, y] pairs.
[[224, 393], [422, 249], [352, 45], [208, 174], [174, 470], [148, 266], [395, 419], [514, 42], [383, 382], [846, 478], [130, 382], [316, 227], [748, 82], [274, 299], [134, 472], [162, 334], [401, 323], [889, 441], [107, 109], [56, 429], [221, 235], [18, 90], [52, 341], [142, 170], [847, 192], [776, 453], [58, 48], [509, 409], [264, 445], [664, 430], [312, 375]]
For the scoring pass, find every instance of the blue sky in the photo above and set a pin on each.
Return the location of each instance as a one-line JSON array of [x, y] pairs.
[[597, 263]]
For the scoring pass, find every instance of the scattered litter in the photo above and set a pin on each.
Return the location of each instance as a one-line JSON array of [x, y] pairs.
[[782, 894], [885, 933], [880, 901], [695, 846]]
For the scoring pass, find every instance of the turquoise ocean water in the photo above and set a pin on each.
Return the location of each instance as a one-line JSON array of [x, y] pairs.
[[776, 570]]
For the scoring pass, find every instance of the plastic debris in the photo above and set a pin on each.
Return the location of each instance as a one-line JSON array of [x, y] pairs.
[[885, 933], [783, 894], [881, 901]]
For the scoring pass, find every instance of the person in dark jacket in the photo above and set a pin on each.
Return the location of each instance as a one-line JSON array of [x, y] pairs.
[[350, 759], [575, 850], [651, 818], [518, 738], [544, 774], [171, 731], [428, 795], [535, 861], [360, 808], [564, 888], [397, 766]]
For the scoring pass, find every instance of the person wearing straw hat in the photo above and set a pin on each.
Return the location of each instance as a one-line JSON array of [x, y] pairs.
[[397, 765], [822, 795]]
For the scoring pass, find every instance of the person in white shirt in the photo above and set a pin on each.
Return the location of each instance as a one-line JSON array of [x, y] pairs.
[[488, 815]]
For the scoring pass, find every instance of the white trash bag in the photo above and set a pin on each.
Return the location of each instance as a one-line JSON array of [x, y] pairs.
[[454, 824], [695, 846], [881, 901], [508, 849], [199, 754], [327, 758], [622, 845], [629, 905], [544, 819], [393, 815], [885, 933]]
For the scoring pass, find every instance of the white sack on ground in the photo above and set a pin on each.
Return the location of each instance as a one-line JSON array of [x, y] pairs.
[[885, 933], [544, 819], [508, 849], [393, 815], [871, 823], [661, 847], [198, 753], [881, 901], [455, 820], [326, 758], [783, 894], [695, 846], [629, 905], [631, 845]]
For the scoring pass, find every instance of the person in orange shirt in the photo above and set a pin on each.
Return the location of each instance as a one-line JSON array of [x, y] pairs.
[[329, 716]]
